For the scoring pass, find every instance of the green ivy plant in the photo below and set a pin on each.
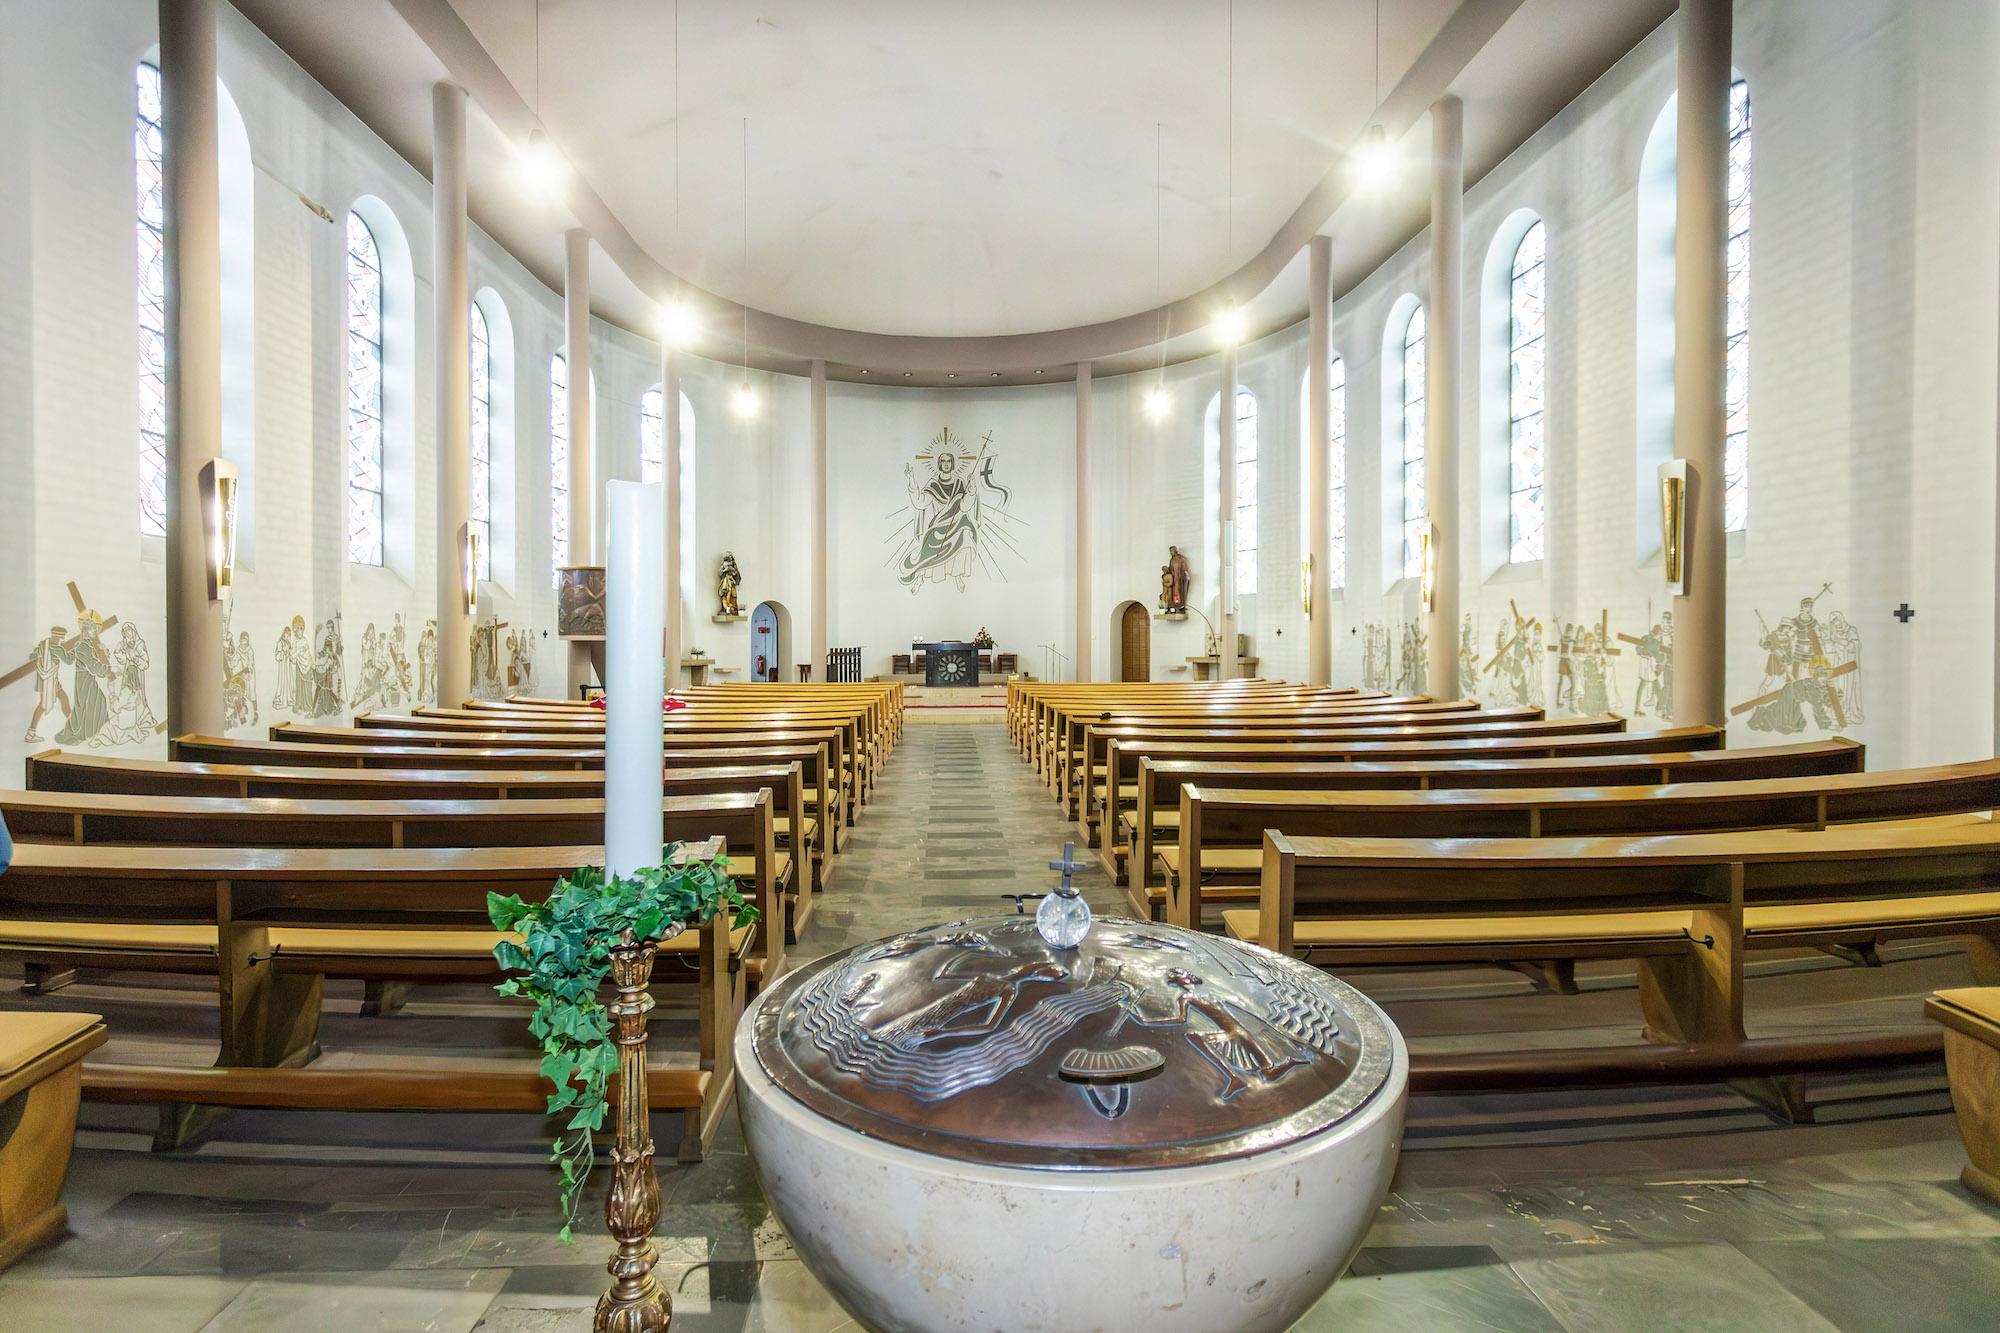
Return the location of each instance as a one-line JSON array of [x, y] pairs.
[[561, 962]]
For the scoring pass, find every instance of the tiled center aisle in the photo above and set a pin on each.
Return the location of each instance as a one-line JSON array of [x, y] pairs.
[[957, 823], [1609, 1211]]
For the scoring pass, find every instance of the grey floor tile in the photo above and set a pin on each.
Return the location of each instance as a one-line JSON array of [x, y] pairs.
[[389, 1302], [1687, 1288], [1910, 1285], [1441, 1300]]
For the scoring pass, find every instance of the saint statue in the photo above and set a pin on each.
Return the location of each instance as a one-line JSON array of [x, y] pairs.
[[1175, 576], [727, 580]]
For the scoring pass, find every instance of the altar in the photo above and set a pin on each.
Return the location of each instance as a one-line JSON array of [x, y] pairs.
[[949, 664]]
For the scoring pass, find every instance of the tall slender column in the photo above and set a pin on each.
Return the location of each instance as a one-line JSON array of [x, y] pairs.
[[1083, 617], [821, 607], [670, 465], [582, 439], [1441, 349], [451, 291], [582, 442], [194, 358], [1319, 463], [1225, 615], [1701, 227]]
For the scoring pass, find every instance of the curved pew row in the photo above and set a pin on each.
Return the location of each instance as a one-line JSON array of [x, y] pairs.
[[271, 924], [1116, 790], [1093, 788], [826, 796], [1218, 853], [64, 771], [743, 819], [1150, 824], [1686, 908]]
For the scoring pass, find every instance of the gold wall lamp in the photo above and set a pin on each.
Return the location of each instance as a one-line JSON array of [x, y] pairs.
[[468, 568], [1673, 525], [218, 521]]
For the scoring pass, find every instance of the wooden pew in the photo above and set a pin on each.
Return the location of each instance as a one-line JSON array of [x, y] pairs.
[[1098, 739], [1062, 732], [60, 770], [1218, 855], [1117, 788], [41, 1080], [742, 818], [399, 914], [1686, 907], [1971, 1020]]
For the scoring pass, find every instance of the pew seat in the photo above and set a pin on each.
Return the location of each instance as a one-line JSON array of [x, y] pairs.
[[41, 1083], [1971, 1020]]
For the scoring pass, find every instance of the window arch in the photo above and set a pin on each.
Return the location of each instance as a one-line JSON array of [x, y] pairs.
[[1527, 291], [558, 464], [1736, 426], [1657, 205], [150, 156], [1336, 469], [1403, 359], [365, 360], [481, 510], [236, 190], [1244, 557]]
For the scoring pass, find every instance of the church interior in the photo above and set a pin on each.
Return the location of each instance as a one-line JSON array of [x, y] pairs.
[[1152, 665]]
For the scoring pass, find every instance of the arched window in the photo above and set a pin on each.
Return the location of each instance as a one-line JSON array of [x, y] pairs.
[[1336, 470], [558, 464], [1736, 426], [1409, 426], [364, 394], [1336, 474], [482, 439], [1246, 492], [150, 154], [1526, 324]]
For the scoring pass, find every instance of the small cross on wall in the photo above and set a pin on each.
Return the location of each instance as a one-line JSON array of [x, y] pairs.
[[1904, 613]]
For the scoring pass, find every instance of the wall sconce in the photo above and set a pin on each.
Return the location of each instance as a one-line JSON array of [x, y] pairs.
[[1306, 586], [1427, 564], [468, 568], [218, 519], [1673, 525]]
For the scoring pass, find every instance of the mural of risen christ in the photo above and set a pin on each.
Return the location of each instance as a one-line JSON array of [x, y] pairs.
[[945, 514]]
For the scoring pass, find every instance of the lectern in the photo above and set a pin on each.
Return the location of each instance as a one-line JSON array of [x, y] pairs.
[[949, 664]]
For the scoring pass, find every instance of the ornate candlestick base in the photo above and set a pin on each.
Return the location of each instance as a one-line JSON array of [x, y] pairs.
[[636, 1303]]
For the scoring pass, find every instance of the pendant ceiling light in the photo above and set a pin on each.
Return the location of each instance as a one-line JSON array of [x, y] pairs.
[[746, 398], [677, 322], [540, 167], [1229, 324], [1157, 401], [1374, 158]]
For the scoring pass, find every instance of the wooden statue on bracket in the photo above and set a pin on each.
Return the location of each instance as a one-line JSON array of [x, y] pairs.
[[1175, 576], [727, 580]]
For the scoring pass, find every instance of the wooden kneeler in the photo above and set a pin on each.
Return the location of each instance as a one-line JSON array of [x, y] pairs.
[[1971, 1019], [41, 1081]]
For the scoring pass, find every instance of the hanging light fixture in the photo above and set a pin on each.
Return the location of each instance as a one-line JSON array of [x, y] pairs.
[[1374, 158], [677, 323], [540, 167], [745, 402]]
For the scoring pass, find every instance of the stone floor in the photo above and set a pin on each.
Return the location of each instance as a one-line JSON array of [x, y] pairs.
[[1682, 1209]]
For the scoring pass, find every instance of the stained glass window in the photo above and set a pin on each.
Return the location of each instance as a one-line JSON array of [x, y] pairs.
[[482, 440], [150, 155], [558, 464], [1736, 426], [1526, 433], [364, 394], [1415, 516], [1246, 492], [1336, 473], [652, 436]]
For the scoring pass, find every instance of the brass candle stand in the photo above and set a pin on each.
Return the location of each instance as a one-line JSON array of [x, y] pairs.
[[636, 1302]]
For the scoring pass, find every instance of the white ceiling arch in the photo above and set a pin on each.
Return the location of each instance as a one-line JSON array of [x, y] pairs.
[[942, 188]]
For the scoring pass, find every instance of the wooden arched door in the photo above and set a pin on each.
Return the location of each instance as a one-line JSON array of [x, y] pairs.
[[1135, 644]]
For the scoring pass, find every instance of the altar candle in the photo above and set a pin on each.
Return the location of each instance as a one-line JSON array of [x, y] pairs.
[[634, 622]]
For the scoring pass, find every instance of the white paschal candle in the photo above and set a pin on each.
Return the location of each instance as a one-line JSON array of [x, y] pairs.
[[634, 623]]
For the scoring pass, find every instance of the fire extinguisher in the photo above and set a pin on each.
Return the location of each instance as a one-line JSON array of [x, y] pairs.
[[763, 667]]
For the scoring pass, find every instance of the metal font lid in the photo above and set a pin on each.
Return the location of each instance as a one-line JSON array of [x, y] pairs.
[[1145, 1045]]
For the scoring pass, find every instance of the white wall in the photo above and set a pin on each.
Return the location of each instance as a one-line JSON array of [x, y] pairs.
[[1874, 346]]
